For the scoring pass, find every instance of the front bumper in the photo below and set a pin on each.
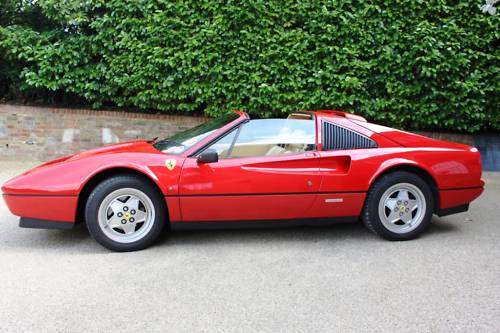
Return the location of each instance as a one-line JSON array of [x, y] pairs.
[[26, 222], [60, 208]]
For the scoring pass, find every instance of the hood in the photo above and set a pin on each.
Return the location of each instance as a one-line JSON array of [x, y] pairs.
[[66, 175], [137, 146]]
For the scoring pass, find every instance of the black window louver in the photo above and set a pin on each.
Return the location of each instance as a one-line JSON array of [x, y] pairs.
[[338, 137]]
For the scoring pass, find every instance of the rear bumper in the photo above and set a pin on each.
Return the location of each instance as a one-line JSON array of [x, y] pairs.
[[457, 200], [43, 207]]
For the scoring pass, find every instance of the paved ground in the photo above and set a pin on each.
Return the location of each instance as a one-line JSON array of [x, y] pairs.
[[339, 278]]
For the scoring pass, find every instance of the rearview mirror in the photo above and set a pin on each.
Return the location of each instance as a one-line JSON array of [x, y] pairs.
[[208, 156]]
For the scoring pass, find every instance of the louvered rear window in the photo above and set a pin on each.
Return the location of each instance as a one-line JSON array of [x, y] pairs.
[[336, 137]]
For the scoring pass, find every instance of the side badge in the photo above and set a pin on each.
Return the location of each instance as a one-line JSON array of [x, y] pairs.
[[170, 164]]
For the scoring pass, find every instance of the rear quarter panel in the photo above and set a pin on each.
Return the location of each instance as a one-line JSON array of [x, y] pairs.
[[450, 168]]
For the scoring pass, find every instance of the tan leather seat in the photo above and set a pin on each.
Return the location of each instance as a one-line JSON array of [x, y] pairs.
[[250, 150], [276, 150]]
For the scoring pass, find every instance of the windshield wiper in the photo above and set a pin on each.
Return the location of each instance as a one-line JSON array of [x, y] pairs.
[[171, 142]]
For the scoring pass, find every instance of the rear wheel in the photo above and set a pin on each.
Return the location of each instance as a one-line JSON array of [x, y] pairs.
[[125, 213], [399, 206]]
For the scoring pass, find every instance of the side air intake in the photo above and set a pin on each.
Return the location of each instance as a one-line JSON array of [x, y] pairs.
[[337, 137]]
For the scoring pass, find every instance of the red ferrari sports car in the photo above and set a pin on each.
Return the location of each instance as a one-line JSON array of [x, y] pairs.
[[313, 167]]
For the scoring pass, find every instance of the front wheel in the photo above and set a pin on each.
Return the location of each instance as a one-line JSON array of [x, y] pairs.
[[399, 206], [125, 213]]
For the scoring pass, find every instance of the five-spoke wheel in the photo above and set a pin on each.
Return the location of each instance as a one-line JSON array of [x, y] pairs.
[[402, 207], [398, 206], [125, 213]]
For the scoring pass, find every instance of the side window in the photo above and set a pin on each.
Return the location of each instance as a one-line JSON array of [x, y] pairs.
[[335, 137], [223, 145], [268, 137]]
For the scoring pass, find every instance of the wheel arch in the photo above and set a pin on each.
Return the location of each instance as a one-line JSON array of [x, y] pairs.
[[416, 169], [101, 175]]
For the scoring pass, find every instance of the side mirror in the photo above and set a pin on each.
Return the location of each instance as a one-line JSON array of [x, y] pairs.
[[208, 156]]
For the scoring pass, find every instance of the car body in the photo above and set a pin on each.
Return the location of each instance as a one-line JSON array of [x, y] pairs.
[[322, 174]]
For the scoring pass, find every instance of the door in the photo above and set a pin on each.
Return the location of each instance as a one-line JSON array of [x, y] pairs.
[[267, 170], [345, 174]]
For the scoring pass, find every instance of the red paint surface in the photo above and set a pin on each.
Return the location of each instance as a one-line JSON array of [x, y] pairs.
[[257, 188], [54, 208], [350, 205], [453, 198], [245, 207]]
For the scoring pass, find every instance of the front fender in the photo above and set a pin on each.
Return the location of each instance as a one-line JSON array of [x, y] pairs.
[[70, 176]]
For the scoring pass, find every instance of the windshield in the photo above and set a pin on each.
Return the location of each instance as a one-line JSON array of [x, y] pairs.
[[180, 142]]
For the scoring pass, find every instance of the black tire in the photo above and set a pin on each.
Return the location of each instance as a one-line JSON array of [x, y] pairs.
[[371, 217], [108, 186]]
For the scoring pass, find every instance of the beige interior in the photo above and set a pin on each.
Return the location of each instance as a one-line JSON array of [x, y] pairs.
[[299, 116], [249, 150]]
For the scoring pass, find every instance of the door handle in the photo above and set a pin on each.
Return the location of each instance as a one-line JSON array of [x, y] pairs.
[[312, 154]]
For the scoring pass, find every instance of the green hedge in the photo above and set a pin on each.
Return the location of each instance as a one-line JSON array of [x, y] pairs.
[[427, 64]]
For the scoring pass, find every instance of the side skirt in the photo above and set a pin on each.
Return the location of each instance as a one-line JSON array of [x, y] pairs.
[[25, 222], [259, 224]]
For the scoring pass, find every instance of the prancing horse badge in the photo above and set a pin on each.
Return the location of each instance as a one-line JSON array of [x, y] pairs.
[[170, 164]]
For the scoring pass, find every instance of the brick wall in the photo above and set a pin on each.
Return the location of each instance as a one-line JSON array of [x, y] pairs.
[[41, 134]]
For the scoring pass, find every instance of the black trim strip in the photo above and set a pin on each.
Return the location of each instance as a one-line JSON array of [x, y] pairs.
[[25, 222], [453, 210], [38, 195], [260, 194], [257, 224], [462, 188]]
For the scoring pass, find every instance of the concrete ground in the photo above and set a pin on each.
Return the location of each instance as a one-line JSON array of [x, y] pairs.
[[339, 278]]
